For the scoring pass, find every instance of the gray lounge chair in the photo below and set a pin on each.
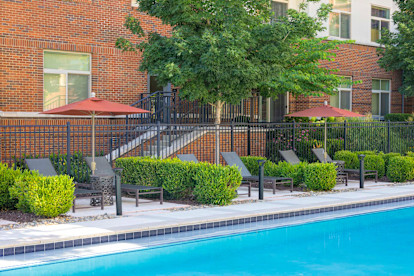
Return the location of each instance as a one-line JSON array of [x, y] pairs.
[[104, 168], [232, 158], [187, 157], [82, 190], [289, 156], [319, 153]]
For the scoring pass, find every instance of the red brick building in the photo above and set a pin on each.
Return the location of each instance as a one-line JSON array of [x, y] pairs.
[[56, 52]]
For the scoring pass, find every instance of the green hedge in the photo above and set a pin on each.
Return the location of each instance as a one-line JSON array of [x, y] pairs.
[[7, 179], [284, 169], [401, 169], [251, 163], [350, 158], [409, 154], [183, 180], [387, 157], [320, 176], [43, 196], [398, 117], [376, 163]]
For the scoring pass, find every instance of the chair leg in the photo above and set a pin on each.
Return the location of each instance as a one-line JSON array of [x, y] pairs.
[[73, 206], [376, 177], [137, 198], [161, 196], [102, 202], [291, 185], [249, 189], [274, 186]]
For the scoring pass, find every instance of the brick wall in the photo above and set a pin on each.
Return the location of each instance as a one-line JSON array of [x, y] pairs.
[[360, 63], [91, 26]]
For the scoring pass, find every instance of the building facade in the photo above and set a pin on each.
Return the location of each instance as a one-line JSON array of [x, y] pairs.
[[57, 52]]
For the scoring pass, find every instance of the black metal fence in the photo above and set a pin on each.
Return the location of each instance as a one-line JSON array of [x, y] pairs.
[[67, 144]]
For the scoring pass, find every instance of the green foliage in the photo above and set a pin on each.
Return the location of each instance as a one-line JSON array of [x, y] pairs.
[[180, 180], [7, 179], [320, 176], [43, 196], [387, 158], [219, 50], [399, 117], [350, 158], [400, 169], [216, 184], [409, 153], [284, 169], [396, 53], [251, 163], [366, 152], [376, 163]]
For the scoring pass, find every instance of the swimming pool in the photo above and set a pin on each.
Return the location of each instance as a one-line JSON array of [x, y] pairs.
[[371, 244]]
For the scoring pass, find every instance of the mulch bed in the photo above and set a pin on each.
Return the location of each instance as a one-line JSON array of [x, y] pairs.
[[18, 216]]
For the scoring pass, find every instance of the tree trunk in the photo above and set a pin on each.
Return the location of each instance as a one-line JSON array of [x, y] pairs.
[[219, 107]]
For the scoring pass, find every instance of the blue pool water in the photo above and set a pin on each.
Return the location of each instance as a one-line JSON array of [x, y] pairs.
[[372, 244]]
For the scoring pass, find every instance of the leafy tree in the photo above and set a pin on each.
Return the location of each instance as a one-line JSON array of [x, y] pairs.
[[397, 53], [222, 50]]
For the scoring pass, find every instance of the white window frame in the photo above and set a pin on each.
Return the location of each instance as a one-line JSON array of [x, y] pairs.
[[67, 72], [380, 19], [346, 90], [379, 102], [134, 3], [340, 12]]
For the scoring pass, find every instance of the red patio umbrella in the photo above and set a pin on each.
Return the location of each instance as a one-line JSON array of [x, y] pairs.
[[325, 111], [95, 107]]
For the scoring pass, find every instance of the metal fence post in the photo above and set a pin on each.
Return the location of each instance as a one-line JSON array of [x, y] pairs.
[[159, 138], [345, 125], [110, 150], [126, 129], [232, 135], [261, 178], [293, 136], [389, 137], [68, 147], [361, 171], [248, 139]]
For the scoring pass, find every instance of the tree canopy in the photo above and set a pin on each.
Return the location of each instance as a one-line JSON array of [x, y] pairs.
[[220, 51], [398, 50]]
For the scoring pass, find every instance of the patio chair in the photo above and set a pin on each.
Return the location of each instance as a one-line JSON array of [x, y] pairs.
[[104, 168], [319, 153], [232, 158], [82, 190], [289, 156], [187, 157]]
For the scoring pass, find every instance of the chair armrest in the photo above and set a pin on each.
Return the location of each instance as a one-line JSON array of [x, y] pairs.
[[83, 186]]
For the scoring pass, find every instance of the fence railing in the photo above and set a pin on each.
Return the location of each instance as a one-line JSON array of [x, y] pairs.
[[67, 144]]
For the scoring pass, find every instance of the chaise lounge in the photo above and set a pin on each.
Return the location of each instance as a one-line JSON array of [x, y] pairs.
[[232, 158], [44, 167], [104, 168]]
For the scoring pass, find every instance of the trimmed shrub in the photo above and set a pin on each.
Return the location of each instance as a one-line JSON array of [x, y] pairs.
[[7, 179], [284, 169], [387, 157], [375, 162], [251, 163], [365, 152], [320, 176], [216, 184], [410, 154], [398, 117], [350, 158], [400, 169], [43, 196]]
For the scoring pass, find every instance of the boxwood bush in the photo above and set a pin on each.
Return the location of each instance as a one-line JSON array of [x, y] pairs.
[[350, 158], [375, 162], [401, 169], [44, 196], [180, 180], [284, 169], [251, 163], [216, 184], [7, 179], [320, 176], [387, 157]]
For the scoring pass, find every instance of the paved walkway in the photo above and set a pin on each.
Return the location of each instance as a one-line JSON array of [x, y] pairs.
[[155, 215]]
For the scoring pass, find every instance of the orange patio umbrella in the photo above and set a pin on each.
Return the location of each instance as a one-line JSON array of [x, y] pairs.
[[325, 111], [95, 107]]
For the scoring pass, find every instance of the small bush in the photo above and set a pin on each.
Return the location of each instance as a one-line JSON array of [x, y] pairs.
[[400, 169], [7, 179], [366, 153], [216, 184], [398, 117], [251, 163], [284, 169], [387, 157], [43, 196], [376, 163], [410, 154], [350, 158], [320, 176]]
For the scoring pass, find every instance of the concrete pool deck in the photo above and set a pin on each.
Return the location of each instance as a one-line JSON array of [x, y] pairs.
[[152, 216]]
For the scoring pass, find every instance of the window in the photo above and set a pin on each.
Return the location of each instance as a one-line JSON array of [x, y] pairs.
[[279, 8], [343, 99], [340, 19], [66, 78], [134, 3], [381, 90], [380, 21]]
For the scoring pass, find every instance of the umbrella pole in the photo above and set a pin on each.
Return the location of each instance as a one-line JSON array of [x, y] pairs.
[[324, 143], [93, 165]]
